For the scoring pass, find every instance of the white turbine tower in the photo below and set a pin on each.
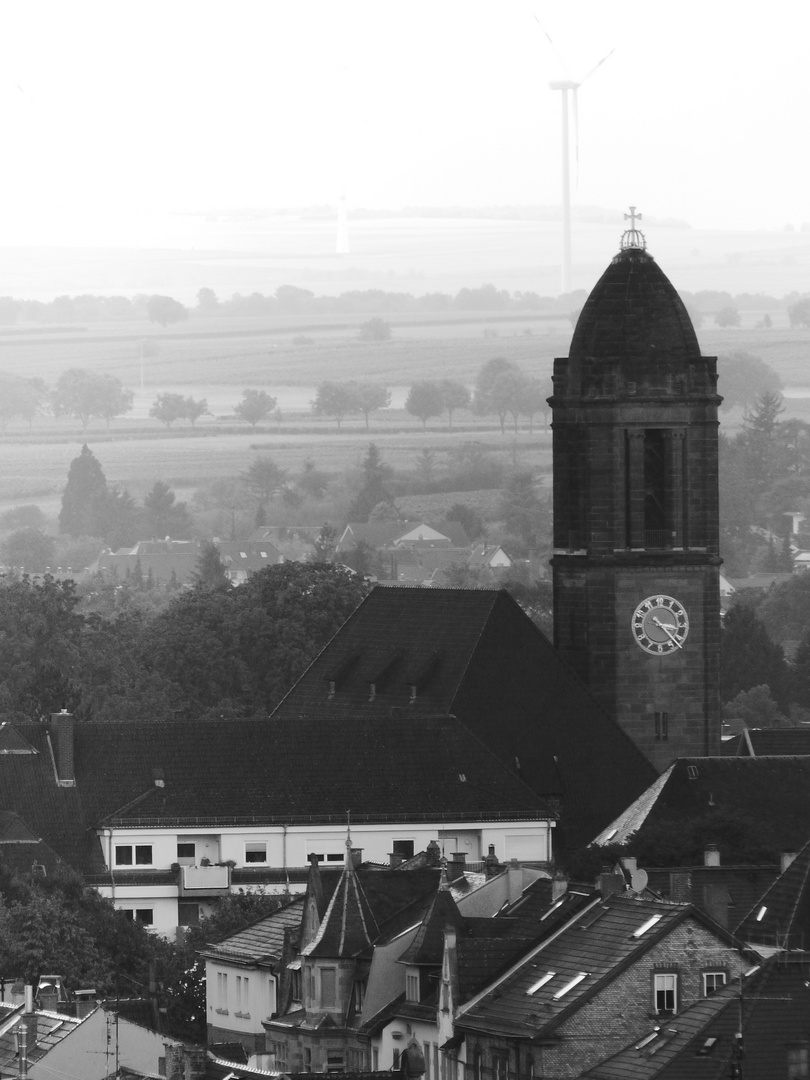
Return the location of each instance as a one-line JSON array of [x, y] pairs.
[[570, 107]]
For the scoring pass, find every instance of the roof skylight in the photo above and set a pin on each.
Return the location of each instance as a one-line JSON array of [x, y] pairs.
[[648, 925], [577, 979], [549, 975]]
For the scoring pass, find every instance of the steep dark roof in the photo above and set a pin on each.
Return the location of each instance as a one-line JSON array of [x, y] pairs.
[[764, 742], [476, 655], [427, 946], [771, 1012], [781, 916], [348, 927], [635, 315], [775, 791]]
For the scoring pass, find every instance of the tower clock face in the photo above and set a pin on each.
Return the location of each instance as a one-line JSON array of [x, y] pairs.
[[660, 625]]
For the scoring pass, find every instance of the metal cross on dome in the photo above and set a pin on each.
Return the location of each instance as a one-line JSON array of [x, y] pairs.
[[633, 237]]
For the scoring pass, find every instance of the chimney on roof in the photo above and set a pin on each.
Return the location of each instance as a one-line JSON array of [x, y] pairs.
[[680, 886], [357, 857], [62, 727], [433, 853], [559, 886], [185, 1062], [610, 883], [395, 859], [27, 1029], [785, 859], [455, 867], [491, 864], [84, 1001], [711, 855]]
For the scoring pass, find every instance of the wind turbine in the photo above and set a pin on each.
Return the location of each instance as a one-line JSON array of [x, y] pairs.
[[568, 96]]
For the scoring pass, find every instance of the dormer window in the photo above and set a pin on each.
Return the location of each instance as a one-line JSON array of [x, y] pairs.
[[412, 986]]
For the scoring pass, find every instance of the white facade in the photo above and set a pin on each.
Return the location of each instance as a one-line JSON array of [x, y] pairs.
[[163, 907]]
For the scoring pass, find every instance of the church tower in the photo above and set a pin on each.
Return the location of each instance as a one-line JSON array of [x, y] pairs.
[[636, 549]]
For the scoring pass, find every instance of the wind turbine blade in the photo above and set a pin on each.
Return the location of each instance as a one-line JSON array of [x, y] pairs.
[[554, 48], [597, 66], [575, 110]]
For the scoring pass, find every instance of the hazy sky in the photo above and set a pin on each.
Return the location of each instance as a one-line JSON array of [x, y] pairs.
[[119, 108]]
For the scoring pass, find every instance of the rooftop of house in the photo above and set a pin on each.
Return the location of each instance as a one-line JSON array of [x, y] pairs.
[[237, 771], [780, 918], [773, 790], [396, 899], [553, 979], [475, 654], [762, 742], [770, 1009], [51, 1029]]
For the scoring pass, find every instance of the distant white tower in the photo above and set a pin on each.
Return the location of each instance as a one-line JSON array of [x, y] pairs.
[[342, 241]]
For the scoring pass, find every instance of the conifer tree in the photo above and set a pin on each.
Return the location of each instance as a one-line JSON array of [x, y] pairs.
[[84, 497]]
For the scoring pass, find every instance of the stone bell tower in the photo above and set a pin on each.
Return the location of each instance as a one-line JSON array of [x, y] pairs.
[[636, 549]]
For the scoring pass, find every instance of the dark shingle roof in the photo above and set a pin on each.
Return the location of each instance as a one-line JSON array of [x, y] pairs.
[[780, 918], [763, 742], [775, 791], [510, 1008], [231, 771], [263, 940], [475, 654]]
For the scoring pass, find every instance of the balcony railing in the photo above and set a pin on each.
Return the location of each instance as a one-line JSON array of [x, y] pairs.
[[204, 880]]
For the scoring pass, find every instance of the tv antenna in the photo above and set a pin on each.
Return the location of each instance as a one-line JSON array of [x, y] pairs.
[[569, 100]]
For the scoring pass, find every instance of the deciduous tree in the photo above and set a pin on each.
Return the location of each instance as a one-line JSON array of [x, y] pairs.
[[370, 397], [454, 395], [167, 408], [165, 310], [255, 406], [88, 395], [335, 399], [425, 400]]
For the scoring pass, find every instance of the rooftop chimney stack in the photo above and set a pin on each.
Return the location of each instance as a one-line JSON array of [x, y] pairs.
[[711, 855], [62, 730]]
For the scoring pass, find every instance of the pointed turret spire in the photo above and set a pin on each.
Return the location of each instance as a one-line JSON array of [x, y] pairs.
[[348, 926]]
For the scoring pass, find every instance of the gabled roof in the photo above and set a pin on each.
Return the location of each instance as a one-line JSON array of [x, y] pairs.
[[556, 976], [247, 556], [765, 742], [427, 947], [771, 1010], [263, 940], [781, 916], [475, 654], [52, 1028], [773, 790]]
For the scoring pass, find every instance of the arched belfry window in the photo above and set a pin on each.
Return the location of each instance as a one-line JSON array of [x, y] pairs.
[[654, 486]]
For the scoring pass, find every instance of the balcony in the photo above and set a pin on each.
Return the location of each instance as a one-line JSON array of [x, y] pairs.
[[204, 880]]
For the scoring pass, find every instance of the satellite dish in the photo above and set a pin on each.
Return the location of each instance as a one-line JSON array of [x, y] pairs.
[[638, 880]]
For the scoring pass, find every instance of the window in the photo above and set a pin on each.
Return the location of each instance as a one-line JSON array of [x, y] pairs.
[[242, 988], [222, 991], [186, 854], [403, 848], [256, 852], [311, 988], [334, 1063], [188, 914], [662, 726], [335, 858], [477, 1063], [395, 1060], [500, 1064], [280, 1056], [328, 988], [123, 855], [665, 993], [146, 915], [798, 1062], [411, 987], [295, 985], [713, 980], [359, 995]]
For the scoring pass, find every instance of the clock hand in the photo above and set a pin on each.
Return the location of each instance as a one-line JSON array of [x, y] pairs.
[[667, 628]]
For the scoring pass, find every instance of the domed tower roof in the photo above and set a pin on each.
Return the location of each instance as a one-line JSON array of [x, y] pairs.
[[634, 317]]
